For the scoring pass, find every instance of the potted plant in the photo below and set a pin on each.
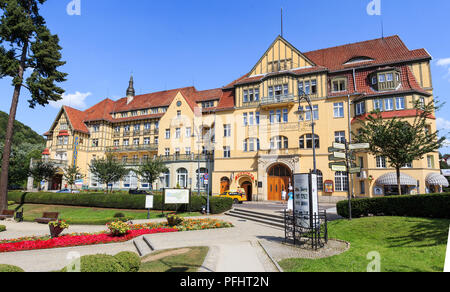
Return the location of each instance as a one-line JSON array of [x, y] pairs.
[[57, 227], [118, 228], [174, 220]]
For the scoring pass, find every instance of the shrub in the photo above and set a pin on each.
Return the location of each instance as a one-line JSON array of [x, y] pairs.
[[129, 261], [10, 269], [2, 228], [118, 228], [174, 220], [100, 263], [119, 215], [117, 201], [427, 206]]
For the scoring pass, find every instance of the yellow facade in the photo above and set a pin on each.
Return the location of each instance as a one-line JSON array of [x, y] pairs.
[[261, 140]]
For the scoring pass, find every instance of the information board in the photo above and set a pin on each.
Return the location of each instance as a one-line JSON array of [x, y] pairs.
[[305, 198], [176, 196]]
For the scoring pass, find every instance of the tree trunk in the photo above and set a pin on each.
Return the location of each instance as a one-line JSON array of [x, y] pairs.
[[398, 181], [10, 132]]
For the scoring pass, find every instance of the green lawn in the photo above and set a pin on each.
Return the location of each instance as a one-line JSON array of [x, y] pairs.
[[405, 245], [188, 262], [87, 216]]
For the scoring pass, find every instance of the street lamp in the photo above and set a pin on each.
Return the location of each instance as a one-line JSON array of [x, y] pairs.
[[305, 97]]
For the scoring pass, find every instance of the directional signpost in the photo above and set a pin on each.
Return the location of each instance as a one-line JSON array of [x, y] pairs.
[[342, 159]]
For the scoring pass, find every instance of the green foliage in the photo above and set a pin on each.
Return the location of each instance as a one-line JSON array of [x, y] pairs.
[[22, 133], [151, 169], [108, 171], [119, 215], [71, 174], [2, 228], [174, 220], [426, 206], [117, 201], [42, 171], [399, 140], [100, 263], [10, 269], [129, 261]]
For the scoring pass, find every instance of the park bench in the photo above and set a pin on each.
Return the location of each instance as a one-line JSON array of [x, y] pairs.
[[47, 217], [6, 214]]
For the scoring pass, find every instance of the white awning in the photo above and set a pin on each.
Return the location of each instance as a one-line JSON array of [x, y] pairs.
[[390, 179], [436, 179]]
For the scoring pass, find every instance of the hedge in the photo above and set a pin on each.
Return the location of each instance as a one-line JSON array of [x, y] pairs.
[[101, 263], [2, 228], [10, 269], [426, 206], [117, 201], [130, 261]]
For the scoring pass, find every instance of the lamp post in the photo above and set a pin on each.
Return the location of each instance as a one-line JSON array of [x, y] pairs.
[[305, 97]]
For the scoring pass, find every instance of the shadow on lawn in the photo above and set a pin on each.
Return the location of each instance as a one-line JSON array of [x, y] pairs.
[[422, 234]]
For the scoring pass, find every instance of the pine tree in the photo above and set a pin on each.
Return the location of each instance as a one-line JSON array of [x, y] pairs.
[[399, 140], [26, 44]]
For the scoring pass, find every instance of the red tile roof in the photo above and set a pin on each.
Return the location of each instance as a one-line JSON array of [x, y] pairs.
[[76, 119]]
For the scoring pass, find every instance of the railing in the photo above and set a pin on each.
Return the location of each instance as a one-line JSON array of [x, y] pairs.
[[55, 162], [136, 133], [144, 147], [151, 132], [278, 99]]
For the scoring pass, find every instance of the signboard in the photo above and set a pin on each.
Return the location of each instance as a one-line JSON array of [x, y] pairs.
[[355, 170], [446, 172], [338, 168], [305, 198], [339, 146], [333, 158], [247, 174], [75, 151], [339, 155], [148, 202], [176, 196], [359, 146], [328, 187]]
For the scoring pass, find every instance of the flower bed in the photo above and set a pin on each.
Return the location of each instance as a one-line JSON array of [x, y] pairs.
[[77, 239]]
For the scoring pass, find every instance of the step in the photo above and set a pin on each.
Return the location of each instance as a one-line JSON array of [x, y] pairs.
[[258, 216], [271, 215], [142, 246], [250, 218]]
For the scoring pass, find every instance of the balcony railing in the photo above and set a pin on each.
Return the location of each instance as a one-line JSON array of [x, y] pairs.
[[129, 148], [55, 162], [170, 158], [286, 98]]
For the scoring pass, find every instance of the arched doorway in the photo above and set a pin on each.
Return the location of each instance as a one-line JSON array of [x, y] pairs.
[[247, 186], [279, 177], [224, 184]]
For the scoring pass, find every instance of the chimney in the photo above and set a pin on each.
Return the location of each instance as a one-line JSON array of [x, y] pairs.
[[130, 91]]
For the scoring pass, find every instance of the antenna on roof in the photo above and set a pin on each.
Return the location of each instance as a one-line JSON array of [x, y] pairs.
[[281, 21], [382, 29]]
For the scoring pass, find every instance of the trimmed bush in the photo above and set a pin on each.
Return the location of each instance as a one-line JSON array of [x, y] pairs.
[[10, 269], [129, 261], [100, 263], [2, 228], [117, 201], [425, 206], [119, 215]]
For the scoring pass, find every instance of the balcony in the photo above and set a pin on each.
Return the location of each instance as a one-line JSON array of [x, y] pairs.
[[56, 162], [131, 148], [151, 132], [278, 100], [170, 158], [136, 133], [126, 134]]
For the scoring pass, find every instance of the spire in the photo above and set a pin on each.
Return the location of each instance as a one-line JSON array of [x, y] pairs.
[[130, 91]]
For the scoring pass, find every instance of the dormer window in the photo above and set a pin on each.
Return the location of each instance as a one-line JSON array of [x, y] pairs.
[[339, 84], [358, 59], [385, 80]]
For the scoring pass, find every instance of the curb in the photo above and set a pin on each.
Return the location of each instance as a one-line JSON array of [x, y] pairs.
[[271, 258]]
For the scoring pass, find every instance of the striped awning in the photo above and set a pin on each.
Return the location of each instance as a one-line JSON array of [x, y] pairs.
[[436, 179], [390, 179]]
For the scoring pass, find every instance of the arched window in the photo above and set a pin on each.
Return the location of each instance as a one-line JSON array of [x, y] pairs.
[[251, 145], [203, 171], [319, 180], [279, 142], [306, 141], [182, 177], [280, 170], [341, 181]]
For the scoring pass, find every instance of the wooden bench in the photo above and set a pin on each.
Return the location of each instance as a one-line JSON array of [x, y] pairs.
[[47, 217], [7, 214]]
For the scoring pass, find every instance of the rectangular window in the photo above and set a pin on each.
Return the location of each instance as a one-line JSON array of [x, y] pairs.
[[178, 113], [250, 95], [251, 120], [278, 117], [307, 87], [285, 116], [245, 95], [286, 89], [146, 141], [339, 85], [378, 105], [315, 113], [147, 126], [137, 127], [188, 132], [227, 130], [167, 151], [389, 104], [381, 78], [339, 137], [256, 94], [167, 133], [126, 142], [400, 103], [116, 143], [390, 77], [381, 162], [362, 187], [313, 87], [300, 88], [257, 118], [226, 152], [177, 133], [430, 161], [272, 117], [188, 150], [156, 140], [339, 110], [360, 108], [136, 142], [245, 120], [271, 91]]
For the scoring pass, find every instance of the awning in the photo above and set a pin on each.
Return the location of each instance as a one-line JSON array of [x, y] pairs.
[[390, 179], [436, 179]]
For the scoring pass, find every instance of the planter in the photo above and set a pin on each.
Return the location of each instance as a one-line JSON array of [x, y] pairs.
[[55, 231]]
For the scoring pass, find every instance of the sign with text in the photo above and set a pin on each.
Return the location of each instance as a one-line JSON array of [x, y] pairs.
[[148, 202], [339, 146], [176, 196], [359, 146], [305, 198]]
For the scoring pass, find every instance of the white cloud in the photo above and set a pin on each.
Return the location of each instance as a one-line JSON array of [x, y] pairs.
[[445, 62], [75, 100], [442, 124]]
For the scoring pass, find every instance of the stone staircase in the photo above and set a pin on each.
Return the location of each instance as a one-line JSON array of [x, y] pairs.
[[272, 218], [143, 246]]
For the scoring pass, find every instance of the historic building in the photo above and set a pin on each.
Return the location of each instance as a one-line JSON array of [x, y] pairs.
[[250, 134]]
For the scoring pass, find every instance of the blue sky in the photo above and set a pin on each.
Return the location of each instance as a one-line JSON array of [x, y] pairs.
[[209, 43]]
